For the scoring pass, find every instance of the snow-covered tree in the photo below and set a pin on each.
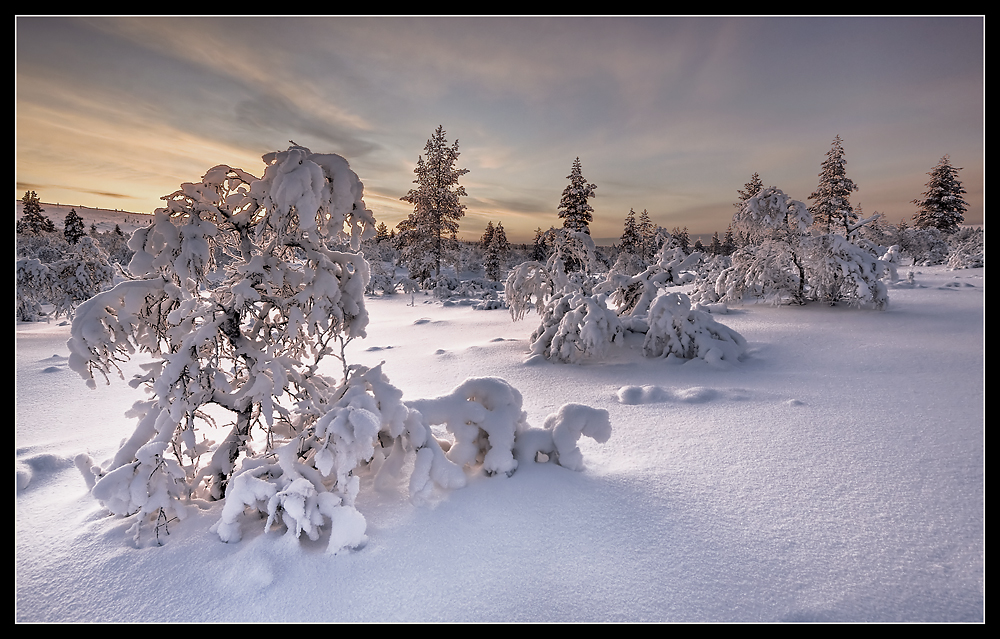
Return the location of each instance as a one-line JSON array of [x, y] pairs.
[[495, 259], [286, 302], [682, 238], [241, 405], [73, 228], [942, 206], [782, 262], [484, 241], [32, 221], [647, 234], [773, 264], [749, 190], [633, 294], [841, 271], [631, 242], [715, 246], [832, 206], [432, 227], [968, 248], [582, 319], [381, 233], [575, 327], [539, 246], [728, 241], [574, 209], [676, 330]]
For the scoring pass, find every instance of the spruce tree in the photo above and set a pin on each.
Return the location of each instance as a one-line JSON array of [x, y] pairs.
[[647, 235], [832, 206], [32, 221], [433, 225], [715, 247], [73, 228], [574, 210], [631, 242], [496, 254], [728, 241], [942, 206], [752, 187], [487, 237], [539, 248], [683, 239]]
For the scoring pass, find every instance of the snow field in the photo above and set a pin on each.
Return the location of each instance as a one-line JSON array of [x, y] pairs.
[[834, 474]]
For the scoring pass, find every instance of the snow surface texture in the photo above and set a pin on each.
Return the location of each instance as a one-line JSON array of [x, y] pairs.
[[835, 473]]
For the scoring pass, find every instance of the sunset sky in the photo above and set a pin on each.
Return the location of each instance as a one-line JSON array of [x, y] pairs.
[[668, 114]]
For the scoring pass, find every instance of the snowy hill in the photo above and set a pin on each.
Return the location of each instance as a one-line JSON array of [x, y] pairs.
[[104, 219]]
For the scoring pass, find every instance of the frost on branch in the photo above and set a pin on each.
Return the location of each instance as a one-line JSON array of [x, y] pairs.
[[242, 293]]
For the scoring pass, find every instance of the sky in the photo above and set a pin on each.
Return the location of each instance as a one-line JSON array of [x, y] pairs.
[[672, 115]]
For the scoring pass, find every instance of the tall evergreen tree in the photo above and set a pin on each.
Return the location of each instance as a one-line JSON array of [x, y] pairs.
[[32, 221], [683, 239], [631, 242], [539, 248], [832, 206], [433, 225], [942, 206], [487, 237], [381, 233], [728, 241], [647, 235], [73, 228], [752, 187], [715, 247], [574, 210], [495, 260]]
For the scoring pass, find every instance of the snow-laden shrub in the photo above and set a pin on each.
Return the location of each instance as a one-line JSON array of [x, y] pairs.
[[528, 286], [577, 323], [82, 272], [372, 434], [32, 287], [675, 330], [248, 337], [772, 264], [968, 248], [632, 295], [892, 258], [704, 291], [925, 246], [840, 271], [576, 327], [770, 271], [784, 263]]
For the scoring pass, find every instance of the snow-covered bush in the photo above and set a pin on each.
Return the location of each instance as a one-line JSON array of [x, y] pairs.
[[576, 327], [632, 295], [783, 262], [968, 248], [577, 323], [703, 292], [772, 264], [246, 349], [842, 271], [675, 330], [82, 272], [32, 288], [925, 246]]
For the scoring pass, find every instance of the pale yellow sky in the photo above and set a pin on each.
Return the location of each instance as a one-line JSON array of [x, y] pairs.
[[671, 115]]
